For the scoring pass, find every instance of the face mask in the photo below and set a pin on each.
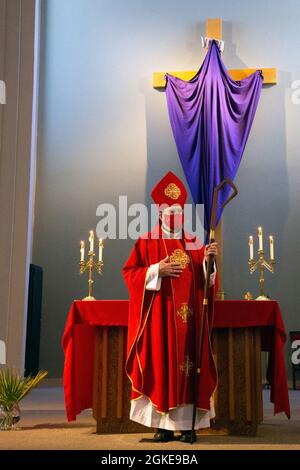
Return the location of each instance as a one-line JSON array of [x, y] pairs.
[[174, 221]]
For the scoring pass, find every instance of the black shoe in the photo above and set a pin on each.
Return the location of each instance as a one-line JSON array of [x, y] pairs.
[[163, 435], [188, 436]]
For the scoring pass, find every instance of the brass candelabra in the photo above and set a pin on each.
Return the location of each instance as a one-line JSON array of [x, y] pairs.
[[261, 262], [91, 264]]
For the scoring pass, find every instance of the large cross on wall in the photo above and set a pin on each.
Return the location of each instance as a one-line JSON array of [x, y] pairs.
[[214, 31]]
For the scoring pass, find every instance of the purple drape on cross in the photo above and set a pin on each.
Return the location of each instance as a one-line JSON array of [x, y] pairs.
[[211, 117]]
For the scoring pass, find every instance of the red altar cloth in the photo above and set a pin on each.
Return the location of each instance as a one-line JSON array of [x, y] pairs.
[[84, 316]]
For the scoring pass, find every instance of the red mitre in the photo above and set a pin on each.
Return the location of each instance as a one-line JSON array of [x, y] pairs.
[[169, 190]]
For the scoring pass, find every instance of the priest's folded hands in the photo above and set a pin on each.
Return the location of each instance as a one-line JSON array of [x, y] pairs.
[[169, 269], [173, 269]]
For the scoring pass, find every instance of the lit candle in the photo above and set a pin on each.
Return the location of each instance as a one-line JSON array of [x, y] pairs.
[[251, 246], [271, 247], [260, 238], [91, 240], [81, 251], [100, 248]]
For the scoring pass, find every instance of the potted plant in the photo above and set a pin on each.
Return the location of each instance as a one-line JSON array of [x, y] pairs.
[[13, 388]]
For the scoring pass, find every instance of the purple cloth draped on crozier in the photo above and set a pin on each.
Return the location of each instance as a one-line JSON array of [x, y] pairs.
[[211, 117]]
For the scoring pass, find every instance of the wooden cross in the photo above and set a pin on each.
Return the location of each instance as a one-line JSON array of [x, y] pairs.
[[214, 31]]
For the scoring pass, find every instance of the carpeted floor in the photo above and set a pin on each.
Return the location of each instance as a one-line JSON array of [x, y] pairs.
[[43, 425]]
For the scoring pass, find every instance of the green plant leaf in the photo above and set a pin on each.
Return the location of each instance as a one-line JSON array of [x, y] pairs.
[[13, 387]]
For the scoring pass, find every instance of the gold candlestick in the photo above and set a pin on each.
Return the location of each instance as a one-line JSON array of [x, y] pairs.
[[262, 264], [91, 264]]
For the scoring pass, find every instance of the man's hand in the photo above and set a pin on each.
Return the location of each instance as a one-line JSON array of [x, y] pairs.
[[167, 269], [211, 249]]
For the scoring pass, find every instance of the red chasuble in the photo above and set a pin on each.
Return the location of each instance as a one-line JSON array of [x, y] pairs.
[[163, 326]]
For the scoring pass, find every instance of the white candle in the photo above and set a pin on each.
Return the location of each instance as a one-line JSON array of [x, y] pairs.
[[271, 247], [251, 246], [100, 248], [81, 251], [260, 238], [91, 240]]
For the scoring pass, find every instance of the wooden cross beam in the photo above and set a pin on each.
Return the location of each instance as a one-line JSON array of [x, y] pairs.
[[214, 30]]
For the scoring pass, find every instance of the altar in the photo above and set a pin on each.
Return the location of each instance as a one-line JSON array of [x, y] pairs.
[[94, 344]]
